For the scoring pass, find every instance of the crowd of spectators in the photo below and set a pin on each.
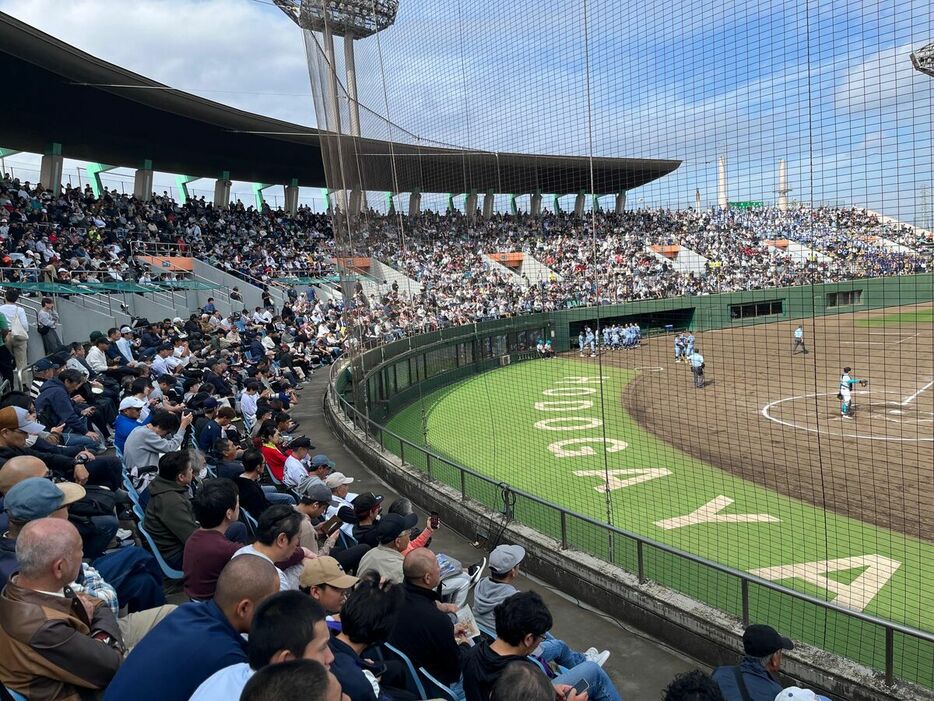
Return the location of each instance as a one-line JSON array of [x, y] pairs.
[[166, 452], [603, 258]]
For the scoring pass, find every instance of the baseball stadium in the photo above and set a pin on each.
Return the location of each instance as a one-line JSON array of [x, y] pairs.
[[351, 342]]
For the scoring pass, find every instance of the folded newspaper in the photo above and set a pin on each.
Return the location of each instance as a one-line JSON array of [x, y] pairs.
[[467, 622]]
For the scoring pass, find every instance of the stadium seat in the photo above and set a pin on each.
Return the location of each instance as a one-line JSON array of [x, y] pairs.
[[15, 695], [488, 632], [272, 478], [130, 489], [435, 689], [413, 683], [169, 572]]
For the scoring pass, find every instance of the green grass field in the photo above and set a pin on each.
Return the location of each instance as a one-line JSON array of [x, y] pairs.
[[919, 317], [488, 422]]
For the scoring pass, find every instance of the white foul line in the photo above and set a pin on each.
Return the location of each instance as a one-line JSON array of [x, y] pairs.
[[914, 396]]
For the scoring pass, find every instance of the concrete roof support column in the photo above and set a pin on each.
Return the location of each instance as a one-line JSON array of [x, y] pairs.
[[621, 202], [94, 171], [415, 203], [182, 182], [536, 209], [258, 198], [357, 202], [579, 204], [291, 196], [556, 203], [222, 191], [489, 199], [142, 181], [390, 203], [4, 152], [451, 207], [51, 167], [782, 186], [470, 206], [722, 199], [513, 205], [596, 203]]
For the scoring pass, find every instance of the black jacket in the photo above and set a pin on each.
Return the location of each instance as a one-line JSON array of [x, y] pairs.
[[61, 465], [426, 635], [481, 670]]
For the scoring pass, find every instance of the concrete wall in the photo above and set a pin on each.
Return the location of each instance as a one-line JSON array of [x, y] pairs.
[[252, 295], [535, 270], [384, 271], [508, 273], [800, 253]]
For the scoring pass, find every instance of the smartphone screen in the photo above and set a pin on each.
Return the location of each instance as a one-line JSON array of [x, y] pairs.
[[332, 524], [434, 520], [578, 688]]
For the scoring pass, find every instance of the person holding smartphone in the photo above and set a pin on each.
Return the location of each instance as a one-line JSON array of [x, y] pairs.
[[522, 622]]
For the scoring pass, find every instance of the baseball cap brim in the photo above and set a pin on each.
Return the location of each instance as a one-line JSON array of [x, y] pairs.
[[73, 492], [32, 427]]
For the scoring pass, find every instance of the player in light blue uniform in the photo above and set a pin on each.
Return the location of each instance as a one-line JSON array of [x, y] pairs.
[[591, 340], [580, 342], [798, 340], [689, 343], [679, 348]]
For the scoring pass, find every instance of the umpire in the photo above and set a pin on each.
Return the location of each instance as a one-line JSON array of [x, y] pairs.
[[697, 368]]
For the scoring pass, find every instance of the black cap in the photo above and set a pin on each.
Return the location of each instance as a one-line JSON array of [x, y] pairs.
[[761, 641], [365, 502], [391, 526]]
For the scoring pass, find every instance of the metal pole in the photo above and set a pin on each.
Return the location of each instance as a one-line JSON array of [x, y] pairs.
[[744, 589], [351, 69]]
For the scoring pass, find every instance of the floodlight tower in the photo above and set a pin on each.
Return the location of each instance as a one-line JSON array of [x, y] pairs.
[[352, 20], [923, 59]]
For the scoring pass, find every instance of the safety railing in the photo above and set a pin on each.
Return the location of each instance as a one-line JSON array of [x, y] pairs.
[[648, 559]]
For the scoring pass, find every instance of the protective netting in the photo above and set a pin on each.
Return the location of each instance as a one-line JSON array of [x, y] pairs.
[[642, 189]]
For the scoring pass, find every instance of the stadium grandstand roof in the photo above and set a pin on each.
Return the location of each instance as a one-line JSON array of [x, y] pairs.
[[103, 113]]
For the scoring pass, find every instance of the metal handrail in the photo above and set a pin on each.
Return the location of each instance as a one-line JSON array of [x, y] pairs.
[[641, 541]]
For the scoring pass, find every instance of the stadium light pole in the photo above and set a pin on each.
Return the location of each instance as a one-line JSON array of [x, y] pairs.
[[352, 20], [923, 59]]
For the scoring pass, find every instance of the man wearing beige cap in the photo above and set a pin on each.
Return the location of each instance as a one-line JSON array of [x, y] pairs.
[[327, 583], [339, 483]]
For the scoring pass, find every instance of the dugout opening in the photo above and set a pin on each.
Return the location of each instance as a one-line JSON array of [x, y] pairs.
[[656, 322]]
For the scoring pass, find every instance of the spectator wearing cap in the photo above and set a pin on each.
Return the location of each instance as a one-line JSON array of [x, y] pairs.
[[26, 500], [320, 466], [277, 533], [54, 643], [97, 353], [43, 370], [423, 631], [367, 619], [339, 484], [286, 626], [392, 533], [160, 364], [197, 639], [754, 677], [327, 582], [294, 470], [313, 500], [138, 588], [128, 419], [209, 430], [366, 508], [796, 693], [125, 344], [491, 591], [47, 322]]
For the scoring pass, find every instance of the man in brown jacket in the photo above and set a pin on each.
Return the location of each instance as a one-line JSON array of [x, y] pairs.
[[55, 645]]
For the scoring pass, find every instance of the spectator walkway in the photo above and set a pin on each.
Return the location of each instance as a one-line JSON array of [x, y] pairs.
[[639, 666]]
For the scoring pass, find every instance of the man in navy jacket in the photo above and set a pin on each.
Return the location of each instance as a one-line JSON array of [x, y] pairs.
[[197, 639], [756, 672]]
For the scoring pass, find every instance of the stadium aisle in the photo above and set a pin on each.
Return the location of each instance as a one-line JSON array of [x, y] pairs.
[[639, 666]]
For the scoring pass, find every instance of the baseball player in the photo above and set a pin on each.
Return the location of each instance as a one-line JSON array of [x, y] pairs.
[[845, 393], [689, 343], [580, 342], [679, 347], [697, 368], [798, 340], [591, 340]]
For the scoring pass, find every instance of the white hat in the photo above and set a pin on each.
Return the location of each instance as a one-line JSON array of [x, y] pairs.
[[125, 329], [131, 403], [337, 479], [796, 693]]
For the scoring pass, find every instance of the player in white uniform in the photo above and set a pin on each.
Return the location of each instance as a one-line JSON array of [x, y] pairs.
[[845, 394]]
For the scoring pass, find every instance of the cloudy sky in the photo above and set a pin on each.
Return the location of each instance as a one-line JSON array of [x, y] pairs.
[[827, 86]]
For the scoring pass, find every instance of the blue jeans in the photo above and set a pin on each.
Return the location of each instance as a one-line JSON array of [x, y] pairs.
[[71, 440], [275, 497], [554, 650], [601, 688]]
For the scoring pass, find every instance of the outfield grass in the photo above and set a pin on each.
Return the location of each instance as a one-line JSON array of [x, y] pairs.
[[919, 316], [487, 423]]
